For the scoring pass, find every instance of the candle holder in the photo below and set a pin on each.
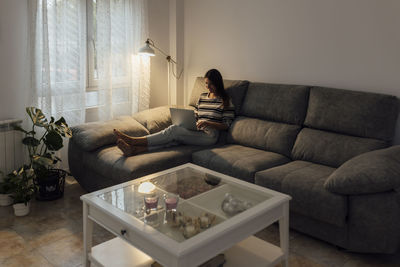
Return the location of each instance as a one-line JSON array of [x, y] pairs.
[[171, 201], [170, 204], [150, 203]]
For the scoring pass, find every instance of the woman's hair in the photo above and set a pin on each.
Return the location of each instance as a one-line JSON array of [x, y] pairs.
[[215, 77]]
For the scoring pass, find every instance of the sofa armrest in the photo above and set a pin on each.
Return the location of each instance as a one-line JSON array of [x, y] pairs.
[[91, 136], [154, 119], [372, 172]]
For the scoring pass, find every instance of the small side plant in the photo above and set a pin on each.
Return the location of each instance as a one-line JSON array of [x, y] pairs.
[[6, 186], [23, 188], [6, 189]]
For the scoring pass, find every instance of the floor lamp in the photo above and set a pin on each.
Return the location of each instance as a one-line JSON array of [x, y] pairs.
[[149, 51]]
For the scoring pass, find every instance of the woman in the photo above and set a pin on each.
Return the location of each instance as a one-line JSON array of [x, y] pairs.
[[214, 112]]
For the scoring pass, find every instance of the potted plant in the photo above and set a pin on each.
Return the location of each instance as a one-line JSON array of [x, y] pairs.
[[5, 190], [43, 140], [23, 189]]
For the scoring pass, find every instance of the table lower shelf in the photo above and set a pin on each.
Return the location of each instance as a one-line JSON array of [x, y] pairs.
[[249, 252]]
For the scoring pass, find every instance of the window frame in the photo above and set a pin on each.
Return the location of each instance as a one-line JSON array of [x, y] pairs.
[[92, 83]]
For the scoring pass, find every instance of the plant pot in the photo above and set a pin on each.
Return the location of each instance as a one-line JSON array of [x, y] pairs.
[[5, 200], [52, 186], [20, 209]]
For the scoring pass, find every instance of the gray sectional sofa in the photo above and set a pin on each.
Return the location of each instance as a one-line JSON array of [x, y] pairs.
[[330, 149]]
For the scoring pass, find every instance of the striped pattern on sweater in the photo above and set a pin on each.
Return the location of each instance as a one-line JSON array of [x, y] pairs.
[[212, 109]]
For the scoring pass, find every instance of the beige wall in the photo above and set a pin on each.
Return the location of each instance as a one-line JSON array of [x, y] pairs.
[[352, 44], [159, 33]]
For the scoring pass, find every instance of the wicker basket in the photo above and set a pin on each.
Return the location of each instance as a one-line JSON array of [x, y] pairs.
[[52, 186]]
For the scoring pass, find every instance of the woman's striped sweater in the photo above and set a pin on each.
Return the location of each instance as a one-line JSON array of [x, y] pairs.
[[212, 109]]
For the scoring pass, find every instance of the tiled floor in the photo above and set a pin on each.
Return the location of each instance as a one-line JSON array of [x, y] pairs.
[[51, 235]]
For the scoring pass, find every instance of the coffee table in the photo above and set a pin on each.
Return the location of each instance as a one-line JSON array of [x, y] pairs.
[[143, 238]]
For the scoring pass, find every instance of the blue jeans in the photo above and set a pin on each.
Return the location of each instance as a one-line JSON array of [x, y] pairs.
[[175, 135]]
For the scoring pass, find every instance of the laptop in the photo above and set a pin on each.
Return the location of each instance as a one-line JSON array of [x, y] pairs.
[[184, 117]]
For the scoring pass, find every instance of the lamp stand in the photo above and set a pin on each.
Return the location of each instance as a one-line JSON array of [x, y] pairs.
[[147, 50], [169, 85]]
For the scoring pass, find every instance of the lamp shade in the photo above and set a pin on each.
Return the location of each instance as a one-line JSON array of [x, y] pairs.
[[146, 50]]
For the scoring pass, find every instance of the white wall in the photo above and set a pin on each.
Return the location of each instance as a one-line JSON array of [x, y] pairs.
[[14, 60], [166, 30], [353, 44], [159, 33]]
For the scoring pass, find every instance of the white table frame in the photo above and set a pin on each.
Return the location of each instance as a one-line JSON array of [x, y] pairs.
[[198, 249]]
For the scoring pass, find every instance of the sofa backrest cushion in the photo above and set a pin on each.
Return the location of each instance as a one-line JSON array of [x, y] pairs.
[[331, 149], [155, 119], [361, 114], [276, 102], [236, 89], [272, 136]]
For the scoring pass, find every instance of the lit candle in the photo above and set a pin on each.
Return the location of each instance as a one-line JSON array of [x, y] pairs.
[[146, 187]]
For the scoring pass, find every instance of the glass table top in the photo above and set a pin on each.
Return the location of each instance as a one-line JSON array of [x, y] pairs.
[[203, 201]]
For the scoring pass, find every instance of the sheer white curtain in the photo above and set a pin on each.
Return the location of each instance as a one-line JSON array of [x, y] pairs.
[[123, 77], [59, 58], [58, 43]]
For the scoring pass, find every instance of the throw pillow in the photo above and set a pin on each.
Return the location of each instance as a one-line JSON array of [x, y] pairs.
[[371, 172]]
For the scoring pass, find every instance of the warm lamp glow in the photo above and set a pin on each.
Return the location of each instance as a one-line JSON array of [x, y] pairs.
[[147, 50], [146, 187]]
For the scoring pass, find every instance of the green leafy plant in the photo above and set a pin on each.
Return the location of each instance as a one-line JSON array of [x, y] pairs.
[[23, 187], [43, 140], [6, 186]]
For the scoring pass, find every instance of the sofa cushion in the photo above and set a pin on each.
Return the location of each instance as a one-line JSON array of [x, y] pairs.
[[304, 182], [276, 102], [236, 90], [110, 162], [272, 136], [199, 87], [238, 161], [355, 113], [330, 148], [155, 119], [93, 135], [372, 172]]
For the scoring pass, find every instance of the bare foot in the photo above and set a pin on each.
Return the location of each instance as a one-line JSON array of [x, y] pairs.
[[129, 150], [134, 141], [125, 148], [122, 136]]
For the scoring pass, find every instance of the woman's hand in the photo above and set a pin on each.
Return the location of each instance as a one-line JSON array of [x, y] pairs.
[[202, 124], [219, 126]]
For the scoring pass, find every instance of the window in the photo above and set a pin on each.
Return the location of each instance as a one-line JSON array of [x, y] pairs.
[[84, 63], [118, 46]]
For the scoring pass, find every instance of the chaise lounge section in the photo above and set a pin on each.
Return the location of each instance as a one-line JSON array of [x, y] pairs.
[[327, 148]]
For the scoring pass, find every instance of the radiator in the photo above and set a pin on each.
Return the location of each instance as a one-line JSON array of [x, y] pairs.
[[12, 151]]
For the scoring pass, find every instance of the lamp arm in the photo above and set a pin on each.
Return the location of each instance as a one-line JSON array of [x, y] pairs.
[[169, 58]]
